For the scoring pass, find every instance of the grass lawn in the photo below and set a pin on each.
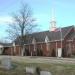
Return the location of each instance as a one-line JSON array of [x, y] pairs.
[[55, 69], [20, 63]]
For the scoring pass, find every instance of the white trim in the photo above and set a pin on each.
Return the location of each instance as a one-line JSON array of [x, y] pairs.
[[69, 40], [46, 39], [41, 42], [33, 41], [59, 52]]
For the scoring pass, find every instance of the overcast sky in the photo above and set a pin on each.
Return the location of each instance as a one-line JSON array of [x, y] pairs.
[[64, 12]]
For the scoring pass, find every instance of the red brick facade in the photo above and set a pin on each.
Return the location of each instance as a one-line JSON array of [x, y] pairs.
[[47, 49]]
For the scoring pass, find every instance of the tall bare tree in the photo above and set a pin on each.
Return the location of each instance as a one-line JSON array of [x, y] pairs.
[[22, 23]]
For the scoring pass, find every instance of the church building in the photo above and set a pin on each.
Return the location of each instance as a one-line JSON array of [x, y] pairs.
[[56, 42]]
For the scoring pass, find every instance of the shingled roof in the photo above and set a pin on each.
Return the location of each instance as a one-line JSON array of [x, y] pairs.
[[52, 36], [71, 36]]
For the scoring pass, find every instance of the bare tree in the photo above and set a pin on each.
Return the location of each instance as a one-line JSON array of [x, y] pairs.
[[22, 24]]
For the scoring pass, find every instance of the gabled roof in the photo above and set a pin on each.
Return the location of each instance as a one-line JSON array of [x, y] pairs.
[[71, 36], [40, 36], [52, 36]]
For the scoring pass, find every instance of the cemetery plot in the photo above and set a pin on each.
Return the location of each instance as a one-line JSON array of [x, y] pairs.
[[6, 63], [30, 70], [45, 73]]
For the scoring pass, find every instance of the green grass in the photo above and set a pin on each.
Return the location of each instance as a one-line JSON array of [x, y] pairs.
[[55, 69]]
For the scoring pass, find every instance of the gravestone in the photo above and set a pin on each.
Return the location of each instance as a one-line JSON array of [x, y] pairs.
[[45, 73], [6, 63], [30, 70]]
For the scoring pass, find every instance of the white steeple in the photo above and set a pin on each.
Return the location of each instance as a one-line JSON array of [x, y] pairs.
[[53, 21]]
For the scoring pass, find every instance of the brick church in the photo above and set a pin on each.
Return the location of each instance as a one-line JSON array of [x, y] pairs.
[[47, 43], [56, 42], [59, 42]]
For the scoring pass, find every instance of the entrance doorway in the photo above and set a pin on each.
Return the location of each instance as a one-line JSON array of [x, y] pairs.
[[59, 52]]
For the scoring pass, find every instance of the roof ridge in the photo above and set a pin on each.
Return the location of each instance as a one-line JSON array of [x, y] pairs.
[[68, 31]]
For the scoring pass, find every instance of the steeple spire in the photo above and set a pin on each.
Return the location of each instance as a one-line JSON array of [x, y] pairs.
[[53, 21]]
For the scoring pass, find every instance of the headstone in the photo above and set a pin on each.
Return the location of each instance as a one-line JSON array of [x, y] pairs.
[[6, 63], [45, 73], [30, 70]]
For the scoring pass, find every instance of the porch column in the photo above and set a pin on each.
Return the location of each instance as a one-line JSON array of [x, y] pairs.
[[29, 50], [41, 46], [56, 49], [35, 48], [19, 50], [47, 46], [34, 44], [70, 48], [1, 49], [23, 50], [31, 53], [11, 51], [14, 47], [59, 50]]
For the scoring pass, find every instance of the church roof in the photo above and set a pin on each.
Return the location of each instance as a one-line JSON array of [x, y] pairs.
[[71, 36], [52, 35]]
